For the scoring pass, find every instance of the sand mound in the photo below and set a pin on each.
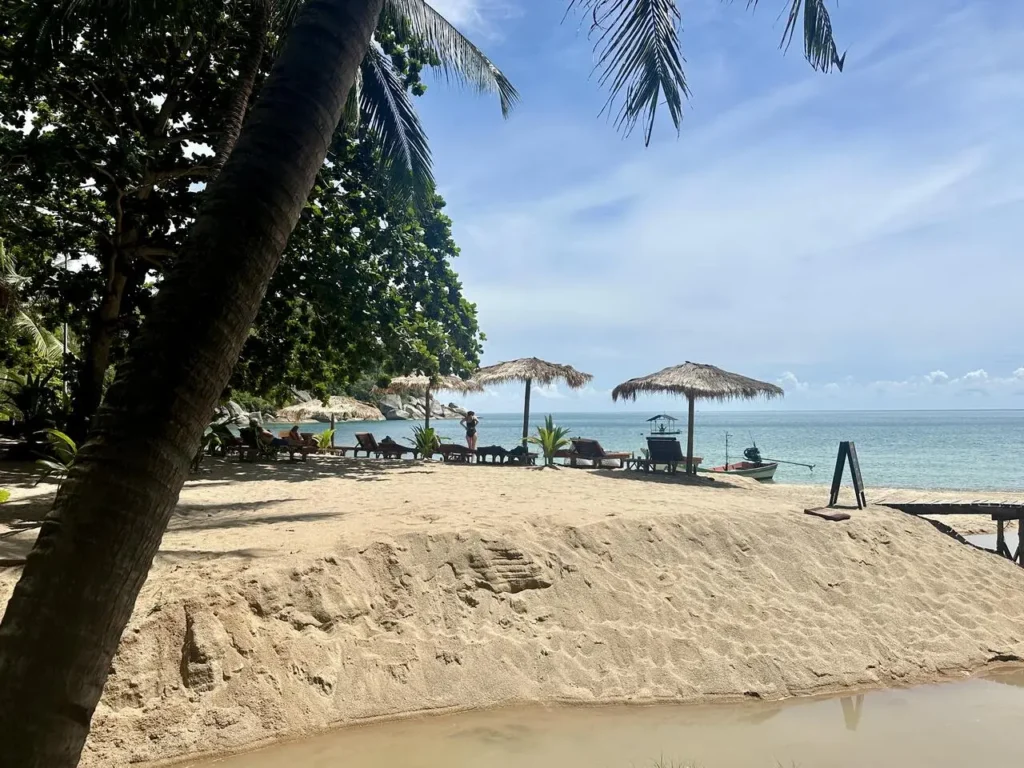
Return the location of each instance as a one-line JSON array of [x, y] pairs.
[[297, 597]]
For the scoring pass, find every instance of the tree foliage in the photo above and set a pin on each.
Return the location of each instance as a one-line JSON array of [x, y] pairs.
[[106, 150]]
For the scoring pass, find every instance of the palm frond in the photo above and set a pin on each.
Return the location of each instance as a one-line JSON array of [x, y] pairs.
[[639, 58], [390, 118], [819, 43], [459, 58], [46, 343]]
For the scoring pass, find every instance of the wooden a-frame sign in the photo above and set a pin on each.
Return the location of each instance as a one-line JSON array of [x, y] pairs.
[[847, 450]]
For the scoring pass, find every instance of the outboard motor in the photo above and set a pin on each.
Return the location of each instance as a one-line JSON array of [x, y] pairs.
[[753, 455]]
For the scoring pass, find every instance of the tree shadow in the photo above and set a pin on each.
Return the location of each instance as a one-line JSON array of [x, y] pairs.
[[173, 556], [723, 483], [226, 471], [235, 516], [23, 474]]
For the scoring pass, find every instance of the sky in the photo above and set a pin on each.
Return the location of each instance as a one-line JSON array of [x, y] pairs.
[[852, 236]]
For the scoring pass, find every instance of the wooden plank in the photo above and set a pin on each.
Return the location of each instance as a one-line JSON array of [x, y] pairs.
[[1009, 510], [858, 481], [837, 476]]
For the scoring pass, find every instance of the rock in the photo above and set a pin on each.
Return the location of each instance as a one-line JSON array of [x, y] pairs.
[[269, 417], [254, 416], [456, 410], [393, 402], [237, 414], [301, 396], [343, 408], [397, 415]]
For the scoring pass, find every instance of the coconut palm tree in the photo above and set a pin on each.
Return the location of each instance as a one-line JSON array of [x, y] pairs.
[[78, 588]]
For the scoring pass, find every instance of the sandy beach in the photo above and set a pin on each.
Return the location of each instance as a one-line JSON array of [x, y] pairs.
[[290, 598]]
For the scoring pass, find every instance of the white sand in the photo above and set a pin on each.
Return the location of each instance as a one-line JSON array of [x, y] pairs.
[[289, 598]]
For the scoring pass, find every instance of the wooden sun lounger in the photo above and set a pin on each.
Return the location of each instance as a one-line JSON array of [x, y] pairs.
[[305, 447], [584, 449], [388, 450], [455, 453], [667, 452]]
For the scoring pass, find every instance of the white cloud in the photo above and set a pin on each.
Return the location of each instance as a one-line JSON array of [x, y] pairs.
[[475, 16], [789, 198], [937, 377], [789, 381], [1019, 374], [548, 391]]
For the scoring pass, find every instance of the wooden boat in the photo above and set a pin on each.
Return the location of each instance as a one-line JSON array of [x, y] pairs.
[[756, 470]]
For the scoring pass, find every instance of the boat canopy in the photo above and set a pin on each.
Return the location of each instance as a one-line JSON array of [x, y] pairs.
[[663, 416]]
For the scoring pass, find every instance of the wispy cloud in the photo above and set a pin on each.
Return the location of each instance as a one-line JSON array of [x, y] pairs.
[[803, 224]]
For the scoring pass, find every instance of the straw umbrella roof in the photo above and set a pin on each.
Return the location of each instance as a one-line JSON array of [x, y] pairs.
[[699, 382], [532, 369], [418, 383]]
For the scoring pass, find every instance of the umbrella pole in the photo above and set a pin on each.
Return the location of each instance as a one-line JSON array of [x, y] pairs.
[[526, 413], [427, 425], [689, 436]]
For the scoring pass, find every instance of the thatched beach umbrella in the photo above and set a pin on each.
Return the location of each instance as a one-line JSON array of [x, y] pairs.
[[529, 370], [697, 381], [418, 384]]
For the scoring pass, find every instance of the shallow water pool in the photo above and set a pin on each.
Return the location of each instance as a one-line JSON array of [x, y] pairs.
[[972, 723]]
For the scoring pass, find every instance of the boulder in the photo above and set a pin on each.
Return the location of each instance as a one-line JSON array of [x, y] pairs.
[[342, 407], [392, 402], [397, 415]]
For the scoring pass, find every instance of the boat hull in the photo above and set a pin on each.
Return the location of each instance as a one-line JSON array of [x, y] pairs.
[[765, 471]]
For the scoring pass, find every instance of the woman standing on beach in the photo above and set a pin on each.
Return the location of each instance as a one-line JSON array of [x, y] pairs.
[[469, 421]]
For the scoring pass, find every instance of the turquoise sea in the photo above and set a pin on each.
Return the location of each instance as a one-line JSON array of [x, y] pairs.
[[962, 450]]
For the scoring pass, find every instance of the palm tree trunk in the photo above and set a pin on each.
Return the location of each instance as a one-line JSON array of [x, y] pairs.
[[526, 415], [257, 29], [66, 615]]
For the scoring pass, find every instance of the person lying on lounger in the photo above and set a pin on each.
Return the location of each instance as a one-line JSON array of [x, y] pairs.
[[266, 436]]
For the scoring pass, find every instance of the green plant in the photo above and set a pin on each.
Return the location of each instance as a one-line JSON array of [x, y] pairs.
[[323, 440], [4, 495], [30, 402], [550, 439], [426, 440], [63, 452]]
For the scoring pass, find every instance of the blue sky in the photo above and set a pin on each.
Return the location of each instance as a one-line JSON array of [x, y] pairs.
[[854, 237]]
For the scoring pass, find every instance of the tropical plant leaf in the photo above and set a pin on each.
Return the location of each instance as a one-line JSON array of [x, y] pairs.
[[458, 58], [639, 59], [323, 440], [819, 43], [550, 439], [65, 449], [389, 115], [5, 495]]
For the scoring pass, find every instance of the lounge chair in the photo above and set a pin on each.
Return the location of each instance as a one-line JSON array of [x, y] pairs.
[[496, 453], [253, 448], [519, 455], [386, 448], [455, 453], [591, 450], [304, 446], [666, 451], [226, 443]]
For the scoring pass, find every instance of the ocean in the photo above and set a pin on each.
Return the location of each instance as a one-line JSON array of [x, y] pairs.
[[959, 450]]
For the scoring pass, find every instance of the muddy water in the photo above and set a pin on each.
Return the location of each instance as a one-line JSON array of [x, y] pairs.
[[970, 723]]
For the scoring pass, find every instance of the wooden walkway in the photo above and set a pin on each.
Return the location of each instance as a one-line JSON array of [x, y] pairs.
[[1000, 511]]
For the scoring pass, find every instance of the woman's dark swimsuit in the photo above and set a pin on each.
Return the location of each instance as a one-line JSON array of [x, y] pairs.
[[471, 429]]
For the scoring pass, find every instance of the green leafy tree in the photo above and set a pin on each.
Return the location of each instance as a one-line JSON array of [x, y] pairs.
[[108, 172], [550, 439], [76, 594]]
